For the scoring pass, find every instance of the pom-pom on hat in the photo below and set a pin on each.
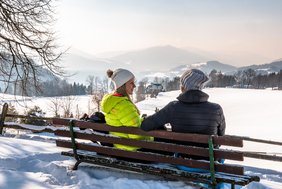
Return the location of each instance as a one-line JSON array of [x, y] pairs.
[[120, 76], [193, 79]]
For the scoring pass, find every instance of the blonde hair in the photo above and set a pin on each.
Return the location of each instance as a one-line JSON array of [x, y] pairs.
[[122, 90]]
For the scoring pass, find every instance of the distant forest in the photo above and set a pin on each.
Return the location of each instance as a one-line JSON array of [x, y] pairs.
[[241, 79], [59, 87], [246, 79]]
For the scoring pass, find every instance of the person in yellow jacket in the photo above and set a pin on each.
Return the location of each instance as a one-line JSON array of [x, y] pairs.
[[118, 108]]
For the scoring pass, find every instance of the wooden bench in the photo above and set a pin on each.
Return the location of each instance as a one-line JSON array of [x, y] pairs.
[[82, 138]]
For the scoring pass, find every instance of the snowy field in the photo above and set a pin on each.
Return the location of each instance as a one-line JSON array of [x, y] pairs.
[[33, 160], [77, 104]]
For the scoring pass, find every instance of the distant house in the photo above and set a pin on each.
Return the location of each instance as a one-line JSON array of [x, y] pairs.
[[154, 88]]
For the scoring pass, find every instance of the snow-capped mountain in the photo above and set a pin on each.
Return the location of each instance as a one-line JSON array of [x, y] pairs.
[[274, 66], [155, 59], [10, 73], [160, 58], [206, 67], [159, 61]]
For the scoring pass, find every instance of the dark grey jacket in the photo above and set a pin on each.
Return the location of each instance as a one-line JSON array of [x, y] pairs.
[[191, 113]]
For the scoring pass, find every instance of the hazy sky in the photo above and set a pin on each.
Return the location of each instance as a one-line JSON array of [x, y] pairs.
[[96, 26]]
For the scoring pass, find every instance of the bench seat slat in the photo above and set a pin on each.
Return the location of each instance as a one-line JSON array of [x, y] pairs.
[[168, 147], [163, 172], [198, 138], [153, 157], [143, 168]]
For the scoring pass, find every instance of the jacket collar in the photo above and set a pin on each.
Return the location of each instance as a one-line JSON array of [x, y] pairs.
[[117, 94], [193, 96]]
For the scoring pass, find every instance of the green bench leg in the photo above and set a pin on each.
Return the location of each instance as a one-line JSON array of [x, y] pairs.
[[76, 165], [78, 161], [212, 167], [232, 186]]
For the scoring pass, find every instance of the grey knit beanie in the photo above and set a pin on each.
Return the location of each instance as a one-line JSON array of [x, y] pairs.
[[193, 79]]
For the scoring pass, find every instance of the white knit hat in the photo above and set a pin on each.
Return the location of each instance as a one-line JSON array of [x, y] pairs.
[[120, 76], [193, 79]]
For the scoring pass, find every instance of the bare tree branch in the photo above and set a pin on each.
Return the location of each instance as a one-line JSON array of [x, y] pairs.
[[27, 43]]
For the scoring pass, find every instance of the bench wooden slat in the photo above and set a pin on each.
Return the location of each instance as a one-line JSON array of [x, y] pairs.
[[25, 127], [168, 147], [218, 140], [29, 117], [153, 157], [163, 172]]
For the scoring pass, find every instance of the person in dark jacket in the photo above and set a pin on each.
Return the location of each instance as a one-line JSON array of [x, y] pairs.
[[191, 112]]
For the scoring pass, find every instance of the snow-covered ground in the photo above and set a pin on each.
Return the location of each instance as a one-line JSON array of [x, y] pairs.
[[33, 160]]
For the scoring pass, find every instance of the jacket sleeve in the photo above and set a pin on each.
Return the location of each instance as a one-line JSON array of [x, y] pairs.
[[158, 120], [222, 124]]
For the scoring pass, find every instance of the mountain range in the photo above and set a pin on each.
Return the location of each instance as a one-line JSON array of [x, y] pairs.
[[274, 66], [159, 60], [10, 73]]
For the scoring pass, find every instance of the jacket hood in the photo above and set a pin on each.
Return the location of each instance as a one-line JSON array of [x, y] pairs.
[[193, 96], [109, 101]]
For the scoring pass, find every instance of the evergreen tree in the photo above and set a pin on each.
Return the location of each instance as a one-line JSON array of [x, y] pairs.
[[11, 110], [35, 115]]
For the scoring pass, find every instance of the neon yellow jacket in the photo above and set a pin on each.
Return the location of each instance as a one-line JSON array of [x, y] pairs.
[[119, 111]]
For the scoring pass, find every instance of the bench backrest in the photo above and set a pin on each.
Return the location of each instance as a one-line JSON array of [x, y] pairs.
[[160, 146]]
